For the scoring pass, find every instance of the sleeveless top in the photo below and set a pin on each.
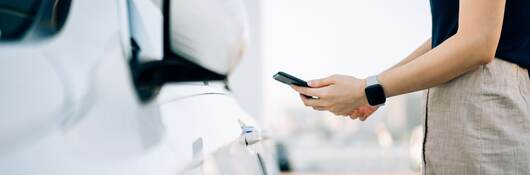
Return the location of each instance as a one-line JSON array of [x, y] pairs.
[[514, 44]]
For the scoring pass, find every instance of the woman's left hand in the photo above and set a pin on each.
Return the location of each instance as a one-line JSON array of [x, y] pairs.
[[340, 94]]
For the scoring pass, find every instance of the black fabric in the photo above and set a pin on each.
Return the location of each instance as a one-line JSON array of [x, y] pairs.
[[514, 44]]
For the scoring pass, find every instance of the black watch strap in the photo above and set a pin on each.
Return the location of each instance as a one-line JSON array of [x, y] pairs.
[[375, 92]]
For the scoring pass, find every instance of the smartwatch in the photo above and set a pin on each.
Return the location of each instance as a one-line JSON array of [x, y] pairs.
[[374, 91]]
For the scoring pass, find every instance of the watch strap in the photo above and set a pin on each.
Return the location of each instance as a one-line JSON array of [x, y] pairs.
[[374, 91], [372, 80]]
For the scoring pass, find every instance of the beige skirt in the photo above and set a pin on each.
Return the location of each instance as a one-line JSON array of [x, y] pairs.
[[479, 123]]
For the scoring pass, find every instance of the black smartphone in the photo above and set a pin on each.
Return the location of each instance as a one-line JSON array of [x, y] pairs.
[[289, 79]]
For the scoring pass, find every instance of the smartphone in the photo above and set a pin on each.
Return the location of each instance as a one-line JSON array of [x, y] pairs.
[[289, 79]]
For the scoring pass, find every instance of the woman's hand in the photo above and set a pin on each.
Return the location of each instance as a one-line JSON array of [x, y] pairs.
[[340, 94], [363, 112]]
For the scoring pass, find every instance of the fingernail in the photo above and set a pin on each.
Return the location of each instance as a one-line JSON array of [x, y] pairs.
[[312, 82]]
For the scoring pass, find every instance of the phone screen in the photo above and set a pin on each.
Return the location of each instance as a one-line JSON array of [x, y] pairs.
[[292, 80], [289, 79]]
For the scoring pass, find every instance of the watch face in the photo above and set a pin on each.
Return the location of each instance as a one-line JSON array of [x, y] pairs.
[[375, 94]]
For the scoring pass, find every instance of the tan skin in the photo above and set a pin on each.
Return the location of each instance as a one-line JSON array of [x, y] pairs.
[[474, 44], [363, 112]]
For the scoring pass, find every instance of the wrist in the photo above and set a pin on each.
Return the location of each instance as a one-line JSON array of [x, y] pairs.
[[386, 82], [374, 92], [363, 99]]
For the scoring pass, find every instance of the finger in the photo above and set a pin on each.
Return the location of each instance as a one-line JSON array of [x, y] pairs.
[[321, 82], [355, 113], [307, 91], [319, 108], [363, 118], [312, 102], [338, 111], [365, 110], [335, 112], [343, 113]]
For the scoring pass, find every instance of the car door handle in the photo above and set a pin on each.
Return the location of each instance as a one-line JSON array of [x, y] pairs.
[[249, 134]]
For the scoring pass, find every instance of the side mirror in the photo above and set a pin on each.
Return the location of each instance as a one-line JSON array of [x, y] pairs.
[[153, 63], [145, 24], [210, 33]]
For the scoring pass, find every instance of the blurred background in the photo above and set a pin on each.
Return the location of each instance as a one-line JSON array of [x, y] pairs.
[[316, 38]]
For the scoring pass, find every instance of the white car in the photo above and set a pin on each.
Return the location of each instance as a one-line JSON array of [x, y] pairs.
[[100, 87]]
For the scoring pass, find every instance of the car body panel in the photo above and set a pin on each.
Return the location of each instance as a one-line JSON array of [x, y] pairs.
[[69, 106]]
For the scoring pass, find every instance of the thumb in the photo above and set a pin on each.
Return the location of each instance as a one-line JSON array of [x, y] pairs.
[[320, 82], [355, 113]]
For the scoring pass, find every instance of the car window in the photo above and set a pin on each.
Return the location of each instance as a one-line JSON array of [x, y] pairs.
[[20, 18]]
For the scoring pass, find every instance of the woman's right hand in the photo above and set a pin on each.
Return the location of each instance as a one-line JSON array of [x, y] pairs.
[[363, 112]]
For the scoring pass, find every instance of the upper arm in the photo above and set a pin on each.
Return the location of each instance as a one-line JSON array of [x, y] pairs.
[[480, 21]]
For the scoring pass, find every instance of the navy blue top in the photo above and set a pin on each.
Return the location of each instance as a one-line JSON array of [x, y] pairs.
[[514, 44]]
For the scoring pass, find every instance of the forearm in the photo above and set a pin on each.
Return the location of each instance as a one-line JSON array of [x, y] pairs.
[[424, 48], [452, 58], [474, 44]]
